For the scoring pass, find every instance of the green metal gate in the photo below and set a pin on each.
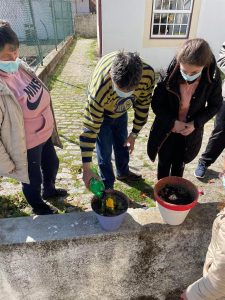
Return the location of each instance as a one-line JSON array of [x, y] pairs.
[[40, 25]]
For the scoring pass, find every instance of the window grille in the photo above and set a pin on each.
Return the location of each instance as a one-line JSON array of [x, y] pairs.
[[171, 18]]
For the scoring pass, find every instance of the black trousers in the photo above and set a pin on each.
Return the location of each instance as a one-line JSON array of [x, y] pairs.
[[216, 142], [171, 156], [43, 165]]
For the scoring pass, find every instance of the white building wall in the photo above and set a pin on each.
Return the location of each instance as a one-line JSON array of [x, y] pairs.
[[211, 24], [122, 25], [123, 28]]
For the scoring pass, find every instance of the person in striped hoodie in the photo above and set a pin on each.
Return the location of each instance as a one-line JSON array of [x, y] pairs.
[[120, 80]]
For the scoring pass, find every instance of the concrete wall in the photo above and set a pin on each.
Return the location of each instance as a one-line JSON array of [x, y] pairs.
[[86, 25], [126, 25], [50, 62], [70, 257]]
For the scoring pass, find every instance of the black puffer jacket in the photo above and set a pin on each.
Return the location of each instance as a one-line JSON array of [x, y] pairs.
[[205, 103]]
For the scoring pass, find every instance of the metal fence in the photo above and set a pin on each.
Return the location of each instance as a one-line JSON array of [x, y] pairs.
[[39, 24]]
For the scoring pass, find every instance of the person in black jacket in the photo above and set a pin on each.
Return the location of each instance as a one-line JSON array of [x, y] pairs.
[[188, 96], [216, 142]]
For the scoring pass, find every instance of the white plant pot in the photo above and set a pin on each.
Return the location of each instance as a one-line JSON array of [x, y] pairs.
[[172, 217], [171, 213]]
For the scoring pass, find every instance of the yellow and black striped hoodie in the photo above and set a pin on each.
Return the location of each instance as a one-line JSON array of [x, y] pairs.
[[104, 101]]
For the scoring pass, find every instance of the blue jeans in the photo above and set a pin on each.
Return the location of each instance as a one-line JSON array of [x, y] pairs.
[[43, 165], [113, 133]]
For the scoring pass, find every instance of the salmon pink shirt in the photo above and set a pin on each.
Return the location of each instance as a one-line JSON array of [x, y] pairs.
[[186, 92]]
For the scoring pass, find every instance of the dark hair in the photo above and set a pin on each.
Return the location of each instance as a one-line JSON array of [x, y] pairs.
[[7, 35], [126, 70], [221, 205], [195, 52]]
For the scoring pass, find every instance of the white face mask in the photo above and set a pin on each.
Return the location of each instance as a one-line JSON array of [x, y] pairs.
[[121, 93], [190, 77], [9, 66]]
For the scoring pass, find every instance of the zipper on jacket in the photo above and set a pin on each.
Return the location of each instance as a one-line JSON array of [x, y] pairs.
[[167, 135]]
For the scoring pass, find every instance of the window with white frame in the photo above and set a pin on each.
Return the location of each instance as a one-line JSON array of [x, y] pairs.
[[171, 18]]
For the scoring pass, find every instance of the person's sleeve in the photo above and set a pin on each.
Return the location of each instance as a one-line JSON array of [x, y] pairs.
[[6, 164], [93, 118], [221, 59], [214, 103], [212, 285], [142, 104]]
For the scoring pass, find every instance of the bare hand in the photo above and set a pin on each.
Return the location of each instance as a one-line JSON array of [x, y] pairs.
[[88, 174], [130, 141], [189, 128], [178, 126]]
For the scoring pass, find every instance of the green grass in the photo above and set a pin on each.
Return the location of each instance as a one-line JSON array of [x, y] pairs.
[[13, 206], [140, 192], [80, 88], [91, 53], [13, 181], [148, 165]]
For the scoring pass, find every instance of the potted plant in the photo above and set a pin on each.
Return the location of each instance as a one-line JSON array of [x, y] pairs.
[[175, 197], [110, 209]]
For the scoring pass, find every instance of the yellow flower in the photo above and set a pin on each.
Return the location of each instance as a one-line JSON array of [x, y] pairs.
[[110, 203]]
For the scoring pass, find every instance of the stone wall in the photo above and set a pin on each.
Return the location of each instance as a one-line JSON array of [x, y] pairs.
[[70, 257], [86, 25], [51, 61]]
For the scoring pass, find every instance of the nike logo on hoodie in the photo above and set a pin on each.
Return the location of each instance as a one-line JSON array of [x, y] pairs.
[[34, 105], [31, 90]]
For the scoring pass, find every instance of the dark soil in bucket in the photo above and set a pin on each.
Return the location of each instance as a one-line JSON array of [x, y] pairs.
[[111, 204], [176, 194]]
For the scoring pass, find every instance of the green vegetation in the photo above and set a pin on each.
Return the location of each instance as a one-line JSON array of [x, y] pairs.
[[13, 206], [139, 192], [91, 53]]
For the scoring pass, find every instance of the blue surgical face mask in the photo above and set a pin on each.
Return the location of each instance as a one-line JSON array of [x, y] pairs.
[[9, 66], [122, 94], [190, 77]]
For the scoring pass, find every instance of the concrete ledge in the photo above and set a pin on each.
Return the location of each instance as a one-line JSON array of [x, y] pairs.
[[52, 59], [70, 257]]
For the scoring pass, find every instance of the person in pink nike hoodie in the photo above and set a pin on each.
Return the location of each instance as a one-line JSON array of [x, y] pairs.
[[27, 127]]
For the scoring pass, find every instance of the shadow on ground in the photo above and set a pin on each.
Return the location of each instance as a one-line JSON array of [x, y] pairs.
[[210, 174], [140, 193]]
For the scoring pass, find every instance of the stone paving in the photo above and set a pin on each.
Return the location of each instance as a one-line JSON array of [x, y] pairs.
[[68, 90]]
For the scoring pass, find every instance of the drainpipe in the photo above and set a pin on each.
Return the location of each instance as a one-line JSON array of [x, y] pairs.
[[100, 27]]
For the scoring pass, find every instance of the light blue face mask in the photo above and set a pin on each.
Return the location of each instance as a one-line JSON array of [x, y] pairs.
[[122, 94], [190, 77], [9, 66]]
